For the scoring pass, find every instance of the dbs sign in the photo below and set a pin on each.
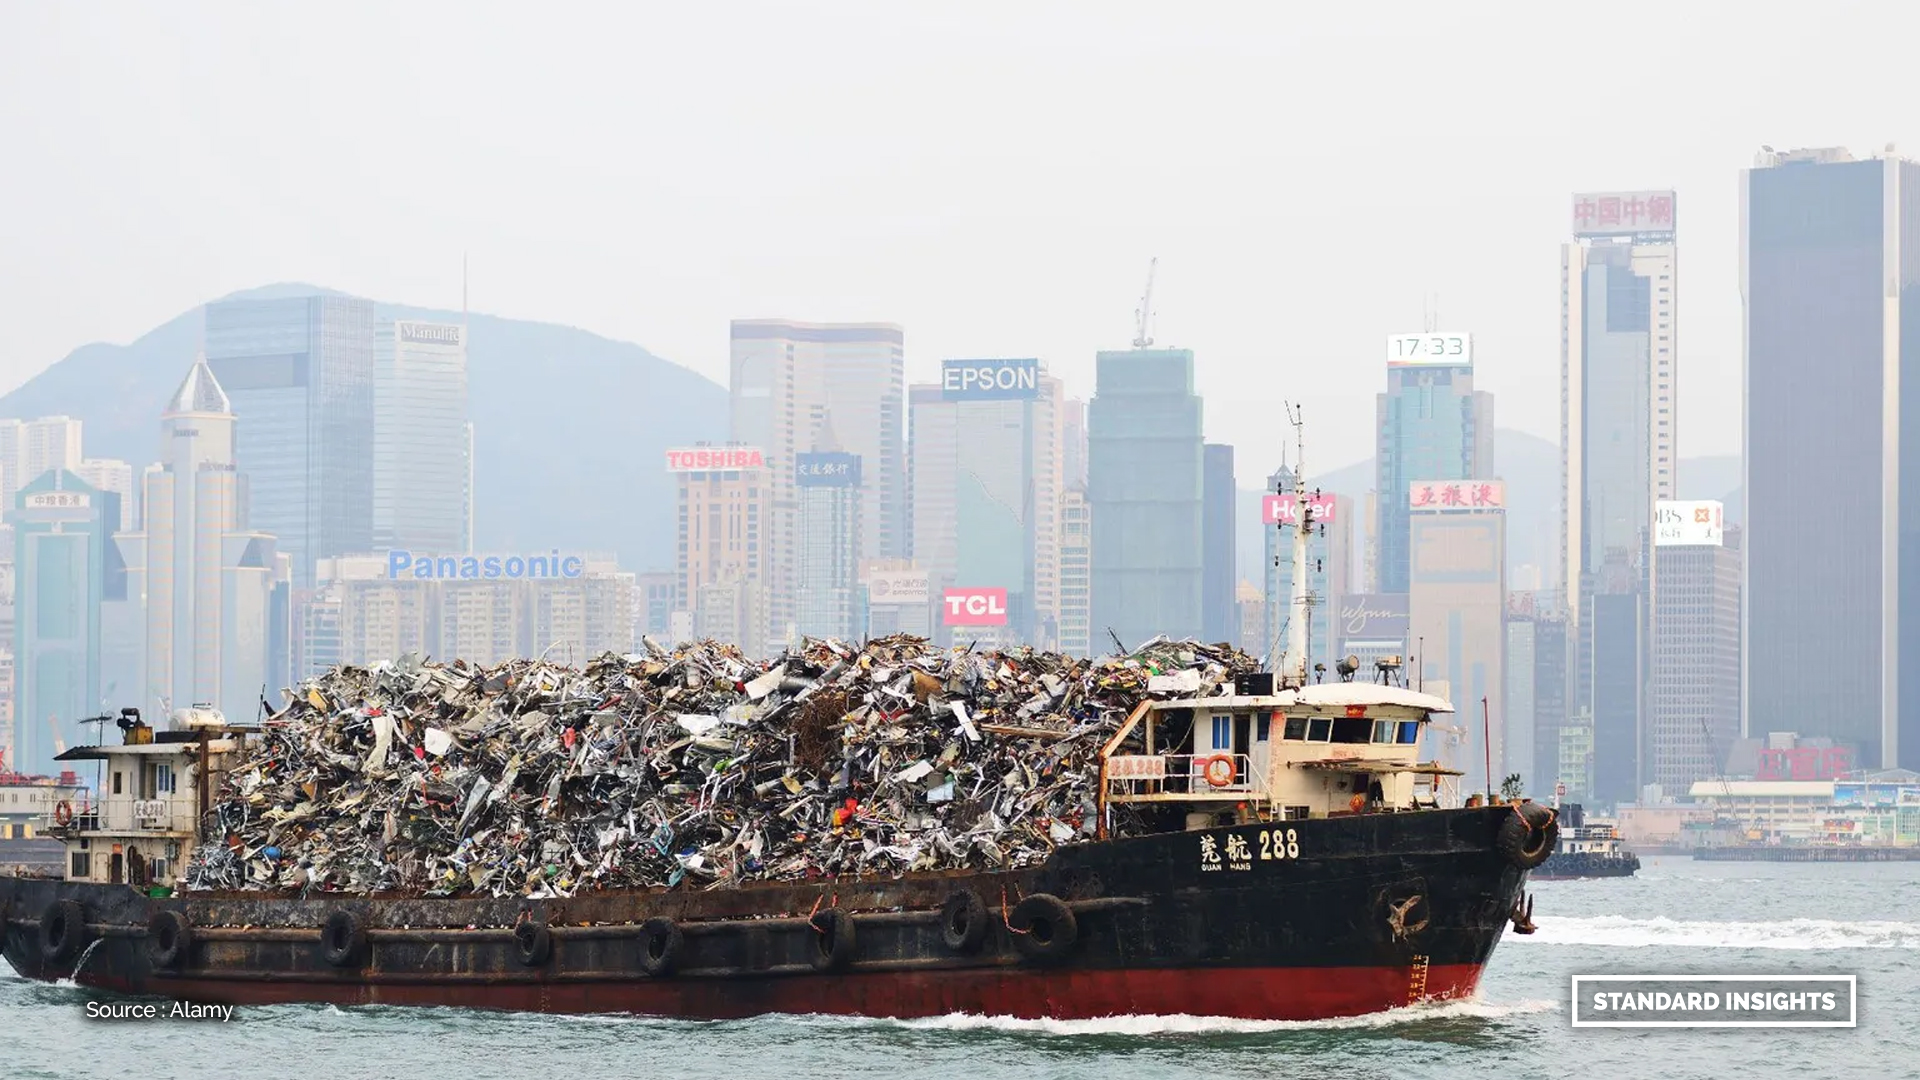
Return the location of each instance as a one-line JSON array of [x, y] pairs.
[[974, 607]]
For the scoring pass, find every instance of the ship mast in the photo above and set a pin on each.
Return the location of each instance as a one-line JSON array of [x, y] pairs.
[[1293, 664]]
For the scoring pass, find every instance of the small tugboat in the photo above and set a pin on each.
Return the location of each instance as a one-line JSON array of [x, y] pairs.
[[1589, 848], [1301, 863]]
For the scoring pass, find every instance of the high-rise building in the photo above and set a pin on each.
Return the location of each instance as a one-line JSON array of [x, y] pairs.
[[828, 577], [422, 465], [895, 599], [787, 378], [1219, 611], [1329, 566], [1073, 443], [1457, 601], [29, 448], [1433, 426], [1252, 605], [1536, 700], [109, 474], [1694, 692], [67, 570], [1076, 573], [216, 592], [1830, 280], [1145, 489], [1619, 333], [656, 595], [299, 375], [986, 489], [722, 560]]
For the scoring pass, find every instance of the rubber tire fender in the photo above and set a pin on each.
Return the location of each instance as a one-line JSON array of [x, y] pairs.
[[63, 931], [343, 939], [1528, 835], [660, 941], [1044, 927], [169, 939], [533, 943], [833, 939], [963, 921]]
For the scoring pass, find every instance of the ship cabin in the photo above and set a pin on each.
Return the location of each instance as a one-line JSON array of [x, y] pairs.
[[149, 798], [1256, 754]]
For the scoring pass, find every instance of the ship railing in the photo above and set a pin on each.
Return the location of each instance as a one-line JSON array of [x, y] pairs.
[[1177, 777]]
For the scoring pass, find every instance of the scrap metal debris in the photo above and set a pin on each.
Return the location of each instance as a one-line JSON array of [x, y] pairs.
[[688, 766]]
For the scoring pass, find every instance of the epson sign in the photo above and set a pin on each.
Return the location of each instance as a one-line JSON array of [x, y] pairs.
[[989, 380], [414, 333]]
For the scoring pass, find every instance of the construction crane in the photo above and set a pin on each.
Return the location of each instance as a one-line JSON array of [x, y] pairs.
[[1143, 315]]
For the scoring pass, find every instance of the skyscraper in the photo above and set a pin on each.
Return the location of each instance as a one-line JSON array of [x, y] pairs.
[[722, 558], [1694, 696], [421, 438], [1619, 332], [986, 488], [1457, 603], [216, 592], [1536, 705], [1831, 283], [110, 474], [66, 569], [1145, 490], [1433, 426], [1219, 611], [1076, 573], [29, 448], [298, 373], [828, 484], [786, 379]]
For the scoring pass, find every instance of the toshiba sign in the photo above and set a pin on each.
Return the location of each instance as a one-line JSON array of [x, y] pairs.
[[714, 458], [975, 607]]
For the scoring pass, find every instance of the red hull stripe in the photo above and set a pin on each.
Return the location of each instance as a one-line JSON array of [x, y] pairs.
[[1316, 993]]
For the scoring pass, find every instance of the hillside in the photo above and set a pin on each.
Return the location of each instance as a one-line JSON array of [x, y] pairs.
[[569, 427]]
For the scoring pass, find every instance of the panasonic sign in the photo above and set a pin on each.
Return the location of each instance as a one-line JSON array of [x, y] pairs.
[[403, 565], [989, 380]]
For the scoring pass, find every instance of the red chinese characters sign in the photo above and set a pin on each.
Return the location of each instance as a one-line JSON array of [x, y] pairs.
[[1457, 495], [1623, 213]]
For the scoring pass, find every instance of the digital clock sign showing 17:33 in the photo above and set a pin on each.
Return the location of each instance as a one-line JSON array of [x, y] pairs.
[[1434, 348]]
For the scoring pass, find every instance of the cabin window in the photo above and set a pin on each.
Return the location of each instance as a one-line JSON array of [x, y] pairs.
[[163, 779], [156, 869], [82, 865], [1297, 728], [1222, 732], [116, 783], [1320, 729], [1383, 731], [1409, 732], [1260, 727], [1347, 730]]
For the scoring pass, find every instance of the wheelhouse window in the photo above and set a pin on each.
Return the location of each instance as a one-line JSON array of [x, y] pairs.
[[1346, 730], [1383, 731], [1320, 729], [1260, 726], [1409, 732], [1296, 728]]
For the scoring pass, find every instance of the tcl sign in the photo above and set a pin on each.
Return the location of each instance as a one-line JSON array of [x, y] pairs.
[[975, 607]]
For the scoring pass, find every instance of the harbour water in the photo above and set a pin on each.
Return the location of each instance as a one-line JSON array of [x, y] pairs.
[[1676, 917]]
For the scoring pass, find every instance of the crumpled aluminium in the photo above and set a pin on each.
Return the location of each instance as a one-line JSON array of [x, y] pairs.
[[684, 767]]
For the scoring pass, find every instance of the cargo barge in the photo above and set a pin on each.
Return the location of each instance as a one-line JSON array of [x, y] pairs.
[[1588, 848], [1300, 863]]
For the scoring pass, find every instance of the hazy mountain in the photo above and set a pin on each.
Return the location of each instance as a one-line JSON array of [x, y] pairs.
[[1531, 467], [569, 427]]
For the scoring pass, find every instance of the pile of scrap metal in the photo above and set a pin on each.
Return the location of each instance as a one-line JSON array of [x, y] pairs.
[[689, 766]]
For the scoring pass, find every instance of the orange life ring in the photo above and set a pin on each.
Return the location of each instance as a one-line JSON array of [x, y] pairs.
[[63, 813], [1220, 770]]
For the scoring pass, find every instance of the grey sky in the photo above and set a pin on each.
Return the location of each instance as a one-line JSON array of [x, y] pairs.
[[992, 176]]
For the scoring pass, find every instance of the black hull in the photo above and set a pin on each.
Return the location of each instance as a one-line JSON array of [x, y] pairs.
[[1563, 866], [1351, 915]]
